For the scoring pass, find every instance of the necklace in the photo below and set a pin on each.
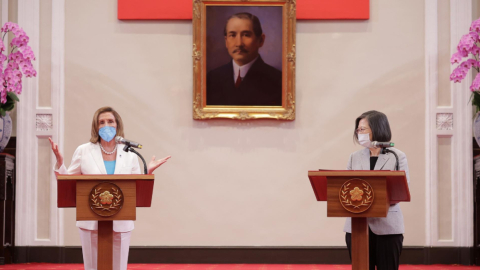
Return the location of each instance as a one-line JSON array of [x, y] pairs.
[[108, 153]]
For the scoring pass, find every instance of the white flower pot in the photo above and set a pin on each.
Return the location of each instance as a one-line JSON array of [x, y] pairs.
[[476, 127], [5, 130]]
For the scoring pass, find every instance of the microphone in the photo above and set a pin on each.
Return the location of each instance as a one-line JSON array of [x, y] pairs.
[[121, 140], [382, 144]]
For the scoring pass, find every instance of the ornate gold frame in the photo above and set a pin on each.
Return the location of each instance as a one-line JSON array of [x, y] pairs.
[[203, 112]]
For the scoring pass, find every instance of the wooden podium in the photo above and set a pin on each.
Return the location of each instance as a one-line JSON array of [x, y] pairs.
[[105, 198], [359, 194]]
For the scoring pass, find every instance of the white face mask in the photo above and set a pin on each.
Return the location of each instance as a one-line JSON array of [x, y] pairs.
[[364, 140]]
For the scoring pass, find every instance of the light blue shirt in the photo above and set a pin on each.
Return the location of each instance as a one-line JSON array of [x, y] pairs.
[[110, 166]]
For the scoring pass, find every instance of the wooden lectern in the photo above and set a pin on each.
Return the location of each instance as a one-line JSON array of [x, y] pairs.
[[105, 198], [359, 194]]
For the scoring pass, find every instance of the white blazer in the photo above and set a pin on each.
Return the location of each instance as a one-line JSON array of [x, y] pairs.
[[393, 223], [88, 159]]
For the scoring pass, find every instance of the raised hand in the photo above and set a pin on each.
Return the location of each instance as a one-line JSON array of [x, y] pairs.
[[154, 164], [56, 152]]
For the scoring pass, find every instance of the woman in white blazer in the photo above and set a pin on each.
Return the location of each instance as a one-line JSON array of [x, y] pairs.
[[102, 156], [385, 234]]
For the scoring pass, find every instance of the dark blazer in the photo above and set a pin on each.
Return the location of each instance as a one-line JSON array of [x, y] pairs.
[[262, 86]]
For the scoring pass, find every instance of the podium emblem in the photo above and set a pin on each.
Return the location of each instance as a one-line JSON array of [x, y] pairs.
[[106, 199], [356, 195]]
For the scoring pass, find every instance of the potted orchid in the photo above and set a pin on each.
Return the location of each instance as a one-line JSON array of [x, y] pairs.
[[16, 62], [469, 44]]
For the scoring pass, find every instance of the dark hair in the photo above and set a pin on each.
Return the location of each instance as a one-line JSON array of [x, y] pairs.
[[257, 27], [95, 137], [379, 125]]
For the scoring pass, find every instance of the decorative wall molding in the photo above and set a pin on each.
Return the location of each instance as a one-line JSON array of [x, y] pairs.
[[257, 255], [58, 96], [35, 123], [44, 122], [444, 121], [25, 168], [462, 199], [448, 121]]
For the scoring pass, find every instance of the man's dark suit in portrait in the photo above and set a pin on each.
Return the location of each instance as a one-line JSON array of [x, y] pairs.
[[247, 80]]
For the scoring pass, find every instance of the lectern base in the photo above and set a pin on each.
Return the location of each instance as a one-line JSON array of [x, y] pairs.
[[360, 258], [105, 245]]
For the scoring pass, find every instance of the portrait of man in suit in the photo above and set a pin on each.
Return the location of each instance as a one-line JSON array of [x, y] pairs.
[[246, 80]]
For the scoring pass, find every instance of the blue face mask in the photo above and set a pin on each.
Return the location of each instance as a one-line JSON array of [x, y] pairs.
[[107, 133]]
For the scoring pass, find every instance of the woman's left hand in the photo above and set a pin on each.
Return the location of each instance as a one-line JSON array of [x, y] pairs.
[[154, 164]]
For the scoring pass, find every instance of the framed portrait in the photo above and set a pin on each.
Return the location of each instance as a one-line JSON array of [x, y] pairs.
[[244, 59]]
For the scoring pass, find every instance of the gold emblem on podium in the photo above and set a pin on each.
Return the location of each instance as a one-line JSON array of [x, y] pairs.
[[356, 195], [106, 199]]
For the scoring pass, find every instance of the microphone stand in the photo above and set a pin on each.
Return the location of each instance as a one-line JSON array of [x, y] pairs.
[[386, 150], [129, 148]]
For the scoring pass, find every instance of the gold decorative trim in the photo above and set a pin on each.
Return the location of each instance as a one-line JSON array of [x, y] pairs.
[[203, 112], [197, 8], [243, 116], [198, 113], [197, 56], [291, 56], [293, 9], [290, 111]]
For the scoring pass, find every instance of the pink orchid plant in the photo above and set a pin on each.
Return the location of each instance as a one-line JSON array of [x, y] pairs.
[[19, 63]]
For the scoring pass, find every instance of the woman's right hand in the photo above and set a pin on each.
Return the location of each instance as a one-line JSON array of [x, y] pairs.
[[57, 153]]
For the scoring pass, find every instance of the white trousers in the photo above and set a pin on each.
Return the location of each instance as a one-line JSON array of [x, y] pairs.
[[121, 244]]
